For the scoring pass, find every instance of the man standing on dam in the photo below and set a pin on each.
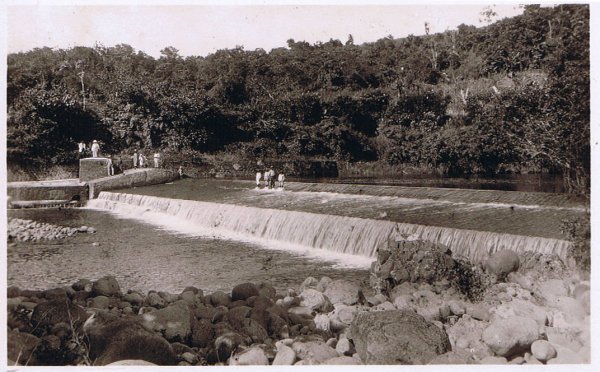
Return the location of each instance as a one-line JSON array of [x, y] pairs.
[[95, 149]]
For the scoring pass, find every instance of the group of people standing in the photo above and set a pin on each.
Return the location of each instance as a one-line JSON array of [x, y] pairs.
[[269, 179], [94, 149], [140, 160]]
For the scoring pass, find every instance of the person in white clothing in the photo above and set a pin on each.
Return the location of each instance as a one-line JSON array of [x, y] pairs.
[[111, 167], [135, 158], [157, 160], [258, 177], [271, 178], [95, 149], [142, 160], [281, 180]]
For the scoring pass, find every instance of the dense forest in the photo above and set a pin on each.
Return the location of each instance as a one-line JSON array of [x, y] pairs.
[[512, 96]]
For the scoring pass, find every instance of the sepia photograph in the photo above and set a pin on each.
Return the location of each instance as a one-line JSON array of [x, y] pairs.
[[296, 183]]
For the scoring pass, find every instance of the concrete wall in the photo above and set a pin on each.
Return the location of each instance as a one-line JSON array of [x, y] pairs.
[[138, 177], [74, 190], [46, 191], [93, 168]]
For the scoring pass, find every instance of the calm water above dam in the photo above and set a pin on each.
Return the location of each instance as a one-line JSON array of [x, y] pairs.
[[530, 214], [216, 233]]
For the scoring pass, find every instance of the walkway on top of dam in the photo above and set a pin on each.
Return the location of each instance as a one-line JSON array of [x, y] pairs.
[[67, 181]]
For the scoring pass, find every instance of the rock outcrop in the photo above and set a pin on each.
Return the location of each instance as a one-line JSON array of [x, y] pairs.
[[397, 337]]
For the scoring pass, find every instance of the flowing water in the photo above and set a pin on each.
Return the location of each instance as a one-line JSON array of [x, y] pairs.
[[144, 257], [215, 234]]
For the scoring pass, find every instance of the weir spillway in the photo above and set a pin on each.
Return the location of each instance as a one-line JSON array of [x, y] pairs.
[[337, 219]]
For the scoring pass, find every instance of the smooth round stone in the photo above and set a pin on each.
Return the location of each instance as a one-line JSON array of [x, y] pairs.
[[249, 357], [190, 357], [507, 337], [285, 356], [457, 308], [543, 350], [517, 360], [402, 302]]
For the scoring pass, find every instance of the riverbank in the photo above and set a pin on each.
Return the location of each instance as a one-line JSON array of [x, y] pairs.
[[526, 309]]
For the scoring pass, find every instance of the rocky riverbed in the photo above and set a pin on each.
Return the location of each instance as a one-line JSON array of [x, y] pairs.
[[431, 309], [29, 230]]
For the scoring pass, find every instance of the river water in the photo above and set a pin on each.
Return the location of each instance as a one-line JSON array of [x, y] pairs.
[[144, 257], [215, 234]]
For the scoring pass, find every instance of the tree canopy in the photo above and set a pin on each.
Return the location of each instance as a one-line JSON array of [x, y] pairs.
[[510, 95]]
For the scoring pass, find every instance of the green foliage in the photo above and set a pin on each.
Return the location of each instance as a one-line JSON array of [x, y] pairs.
[[46, 125], [578, 232], [469, 279], [512, 94]]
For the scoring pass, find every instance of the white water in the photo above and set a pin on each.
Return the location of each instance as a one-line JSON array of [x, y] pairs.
[[422, 202], [346, 239]]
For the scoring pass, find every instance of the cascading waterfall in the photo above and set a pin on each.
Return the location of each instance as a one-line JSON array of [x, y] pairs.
[[348, 235]]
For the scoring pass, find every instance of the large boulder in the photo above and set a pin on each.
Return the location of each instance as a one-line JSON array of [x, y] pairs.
[[518, 307], [155, 300], [502, 263], [134, 298], [48, 314], [542, 265], [412, 261], [226, 344], [286, 356], [316, 351], [254, 330], [203, 333], [21, 347], [99, 302], [219, 298], [511, 336], [569, 306], [341, 317], [344, 292], [309, 282], [106, 286], [277, 326], [267, 290], [315, 300], [543, 350], [55, 294], [175, 321], [244, 291], [396, 337], [551, 288], [236, 316], [252, 356], [466, 334], [111, 341], [12, 292]]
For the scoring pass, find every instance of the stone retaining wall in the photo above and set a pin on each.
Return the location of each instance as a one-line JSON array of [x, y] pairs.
[[134, 178], [25, 191], [93, 168]]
